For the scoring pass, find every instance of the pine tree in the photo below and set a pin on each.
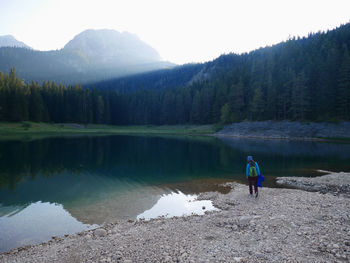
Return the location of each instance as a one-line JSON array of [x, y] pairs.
[[300, 98], [100, 109], [238, 103], [257, 105], [226, 114], [343, 94]]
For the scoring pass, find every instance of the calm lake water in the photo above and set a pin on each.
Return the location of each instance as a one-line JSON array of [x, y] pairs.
[[58, 186]]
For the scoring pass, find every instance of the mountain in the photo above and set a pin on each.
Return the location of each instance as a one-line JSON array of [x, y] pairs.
[[10, 41], [92, 55], [301, 79], [109, 47]]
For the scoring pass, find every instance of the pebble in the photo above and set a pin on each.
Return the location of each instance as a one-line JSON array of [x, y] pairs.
[[167, 259], [259, 255]]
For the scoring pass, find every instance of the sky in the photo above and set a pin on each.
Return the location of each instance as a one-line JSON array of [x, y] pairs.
[[182, 31]]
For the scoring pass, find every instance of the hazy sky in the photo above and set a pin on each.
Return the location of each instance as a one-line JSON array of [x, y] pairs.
[[181, 31]]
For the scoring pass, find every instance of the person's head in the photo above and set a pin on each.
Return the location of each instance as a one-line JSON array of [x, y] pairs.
[[250, 160]]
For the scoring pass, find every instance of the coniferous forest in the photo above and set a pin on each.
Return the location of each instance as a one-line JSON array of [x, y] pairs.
[[299, 79]]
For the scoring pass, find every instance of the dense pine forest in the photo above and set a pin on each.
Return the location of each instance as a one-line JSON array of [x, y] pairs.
[[300, 79]]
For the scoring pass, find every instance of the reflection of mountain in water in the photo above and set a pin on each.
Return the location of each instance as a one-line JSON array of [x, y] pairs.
[[89, 198], [126, 204], [36, 223], [177, 204]]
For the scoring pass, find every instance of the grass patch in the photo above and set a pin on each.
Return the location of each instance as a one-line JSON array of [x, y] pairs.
[[27, 130]]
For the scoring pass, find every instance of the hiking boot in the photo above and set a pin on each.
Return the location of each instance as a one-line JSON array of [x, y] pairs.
[[256, 194]]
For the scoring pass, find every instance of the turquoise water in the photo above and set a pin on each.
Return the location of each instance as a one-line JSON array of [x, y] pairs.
[[58, 186]]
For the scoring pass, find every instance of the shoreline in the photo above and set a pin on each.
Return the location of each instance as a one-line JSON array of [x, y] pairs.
[[34, 130], [288, 130], [264, 130], [310, 227], [333, 183], [275, 138]]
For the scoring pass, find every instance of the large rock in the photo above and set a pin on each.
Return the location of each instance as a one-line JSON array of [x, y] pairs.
[[244, 220], [100, 232]]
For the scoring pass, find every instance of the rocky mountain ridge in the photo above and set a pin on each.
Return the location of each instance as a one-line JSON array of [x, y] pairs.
[[11, 41], [92, 55]]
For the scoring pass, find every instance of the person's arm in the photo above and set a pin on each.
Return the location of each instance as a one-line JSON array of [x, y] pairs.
[[257, 168], [247, 170]]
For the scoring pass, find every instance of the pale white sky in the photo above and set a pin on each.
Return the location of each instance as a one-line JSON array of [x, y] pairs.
[[182, 31]]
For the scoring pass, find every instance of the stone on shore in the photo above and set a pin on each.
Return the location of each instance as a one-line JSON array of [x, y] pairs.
[[100, 232]]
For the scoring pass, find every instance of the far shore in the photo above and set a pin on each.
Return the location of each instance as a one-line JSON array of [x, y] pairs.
[[228, 135], [36, 130], [274, 130], [281, 225]]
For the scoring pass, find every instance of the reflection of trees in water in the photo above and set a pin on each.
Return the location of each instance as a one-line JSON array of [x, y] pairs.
[[114, 155], [156, 160], [82, 172]]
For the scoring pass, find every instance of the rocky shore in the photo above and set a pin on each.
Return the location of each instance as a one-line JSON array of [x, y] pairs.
[[287, 130], [281, 225], [334, 183]]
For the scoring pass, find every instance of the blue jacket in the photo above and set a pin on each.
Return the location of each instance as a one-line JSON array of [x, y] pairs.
[[256, 167]]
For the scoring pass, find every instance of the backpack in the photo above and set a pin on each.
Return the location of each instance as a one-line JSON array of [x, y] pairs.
[[252, 170]]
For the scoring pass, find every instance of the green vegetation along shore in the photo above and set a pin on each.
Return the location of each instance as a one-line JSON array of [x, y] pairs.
[[36, 130]]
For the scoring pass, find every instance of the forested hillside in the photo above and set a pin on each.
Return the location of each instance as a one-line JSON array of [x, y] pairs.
[[300, 79], [178, 76]]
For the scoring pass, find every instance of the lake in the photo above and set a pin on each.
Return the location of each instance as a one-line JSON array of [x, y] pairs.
[[57, 186]]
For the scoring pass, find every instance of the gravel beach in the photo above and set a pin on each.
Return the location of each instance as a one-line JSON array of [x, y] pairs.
[[281, 225]]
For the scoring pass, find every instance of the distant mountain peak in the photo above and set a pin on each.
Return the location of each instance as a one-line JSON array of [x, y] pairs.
[[91, 56], [10, 41], [108, 45]]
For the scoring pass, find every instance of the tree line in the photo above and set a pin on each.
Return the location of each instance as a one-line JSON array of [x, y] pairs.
[[299, 79], [50, 102]]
